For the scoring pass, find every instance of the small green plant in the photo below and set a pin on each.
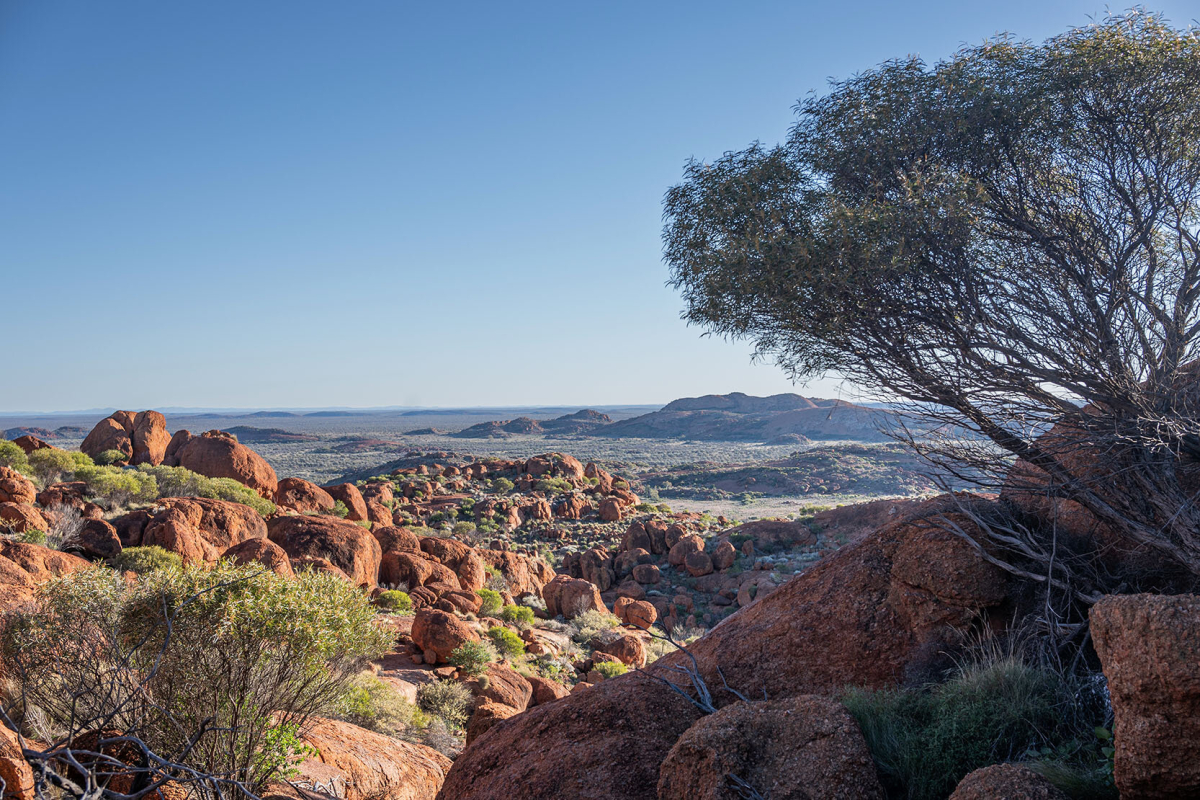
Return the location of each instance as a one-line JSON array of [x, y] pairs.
[[462, 529], [339, 510], [472, 658], [490, 602], [111, 458], [51, 465], [448, 700], [117, 486], [610, 669], [521, 616], [144, 560], [395, 602], [507, 643], [591, 624], [553, 486], [180, 482], [13, 457], [33, 536], [371, 703], [502, 486]]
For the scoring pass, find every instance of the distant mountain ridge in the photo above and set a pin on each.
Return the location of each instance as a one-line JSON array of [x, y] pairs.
[[780, 418]]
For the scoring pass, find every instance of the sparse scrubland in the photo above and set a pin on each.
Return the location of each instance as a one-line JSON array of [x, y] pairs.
[[1002, 245]]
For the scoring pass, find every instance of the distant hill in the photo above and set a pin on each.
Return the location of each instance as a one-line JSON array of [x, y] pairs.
[[248, 435], [500, 428], [584, 421], [779, 418]]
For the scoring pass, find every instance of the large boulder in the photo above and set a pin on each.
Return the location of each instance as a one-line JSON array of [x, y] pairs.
[[219, 455], [343, 544], [41, 563], [1149, 648], [569, 597], [15, 487], [199, 529], [263, 552], [485, 717], [606, 741], [15, 772], [468, 566], [395, 539], [877, 614], [439, 634], [22, 517], [1007, 781], [303, 496], [799, 747], [523, 574], [504, 685], [363, 765], [352, 498], [142, 437]]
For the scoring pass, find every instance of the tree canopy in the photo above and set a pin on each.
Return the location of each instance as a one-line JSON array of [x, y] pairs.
[[1005, 240]]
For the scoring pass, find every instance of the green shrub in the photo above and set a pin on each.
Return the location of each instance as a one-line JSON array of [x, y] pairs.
[[502, 486], [610, 669], [462, 529], [180, 482], [371, 703], [147, 559], [592, 623], [491, 602], [339, 510], [448, 700], [248, 657], [925, 741], [506, 642], [111, 458], [51, 465], [472, 658], [33, 536], [395, 601], [118, 486], [521, 616], [13, 457], [554, 485]]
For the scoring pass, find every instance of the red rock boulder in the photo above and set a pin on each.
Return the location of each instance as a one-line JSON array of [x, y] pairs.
[[142, 437], [264, 552], [343, 544], [799, 747], [219, 455], [1149, 648], [15, 487], [199, 529], [363, 765], [1007, 781], [302, 496], [22, 517], [352, 498], [439, 634], [569, 597]]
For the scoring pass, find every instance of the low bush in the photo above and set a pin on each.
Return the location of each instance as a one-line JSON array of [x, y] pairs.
[[180, 482], [111, 458], [448, 700], [395, 602], [339, 510], [143, 560], [591, 624], [925, 741], [218, 666], [472, 658], [490, 602], [118, 486], [502, 486], [371, 703], [51, 465], [610, 669], [13, 457], [521, 616], [553, 486], [507, 643]]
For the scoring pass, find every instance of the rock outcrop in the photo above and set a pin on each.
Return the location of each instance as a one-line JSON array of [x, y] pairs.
[[1007, 781], [343, 544], [1149, 648], [302, 496], [142, 437], [570, 597], [197, 528], [363, 765], [219, 455], [800, 747], [438, 634]]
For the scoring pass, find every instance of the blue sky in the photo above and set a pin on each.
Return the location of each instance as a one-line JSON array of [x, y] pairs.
[[295, 203]]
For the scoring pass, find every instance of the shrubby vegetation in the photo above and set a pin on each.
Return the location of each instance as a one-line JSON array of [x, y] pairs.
[[925, 741], [372, 704], [521, 616], [473, 658], [13, 457], [146, 559], [446, 699], [610, 669], [180, 482], [247, 658], [507, 643], [490, 602], [395, 602]]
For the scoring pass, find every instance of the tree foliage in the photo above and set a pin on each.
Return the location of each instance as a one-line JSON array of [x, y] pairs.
[[1003, 241]]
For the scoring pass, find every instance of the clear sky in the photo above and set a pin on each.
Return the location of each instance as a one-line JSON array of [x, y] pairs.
[[317, 203]]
